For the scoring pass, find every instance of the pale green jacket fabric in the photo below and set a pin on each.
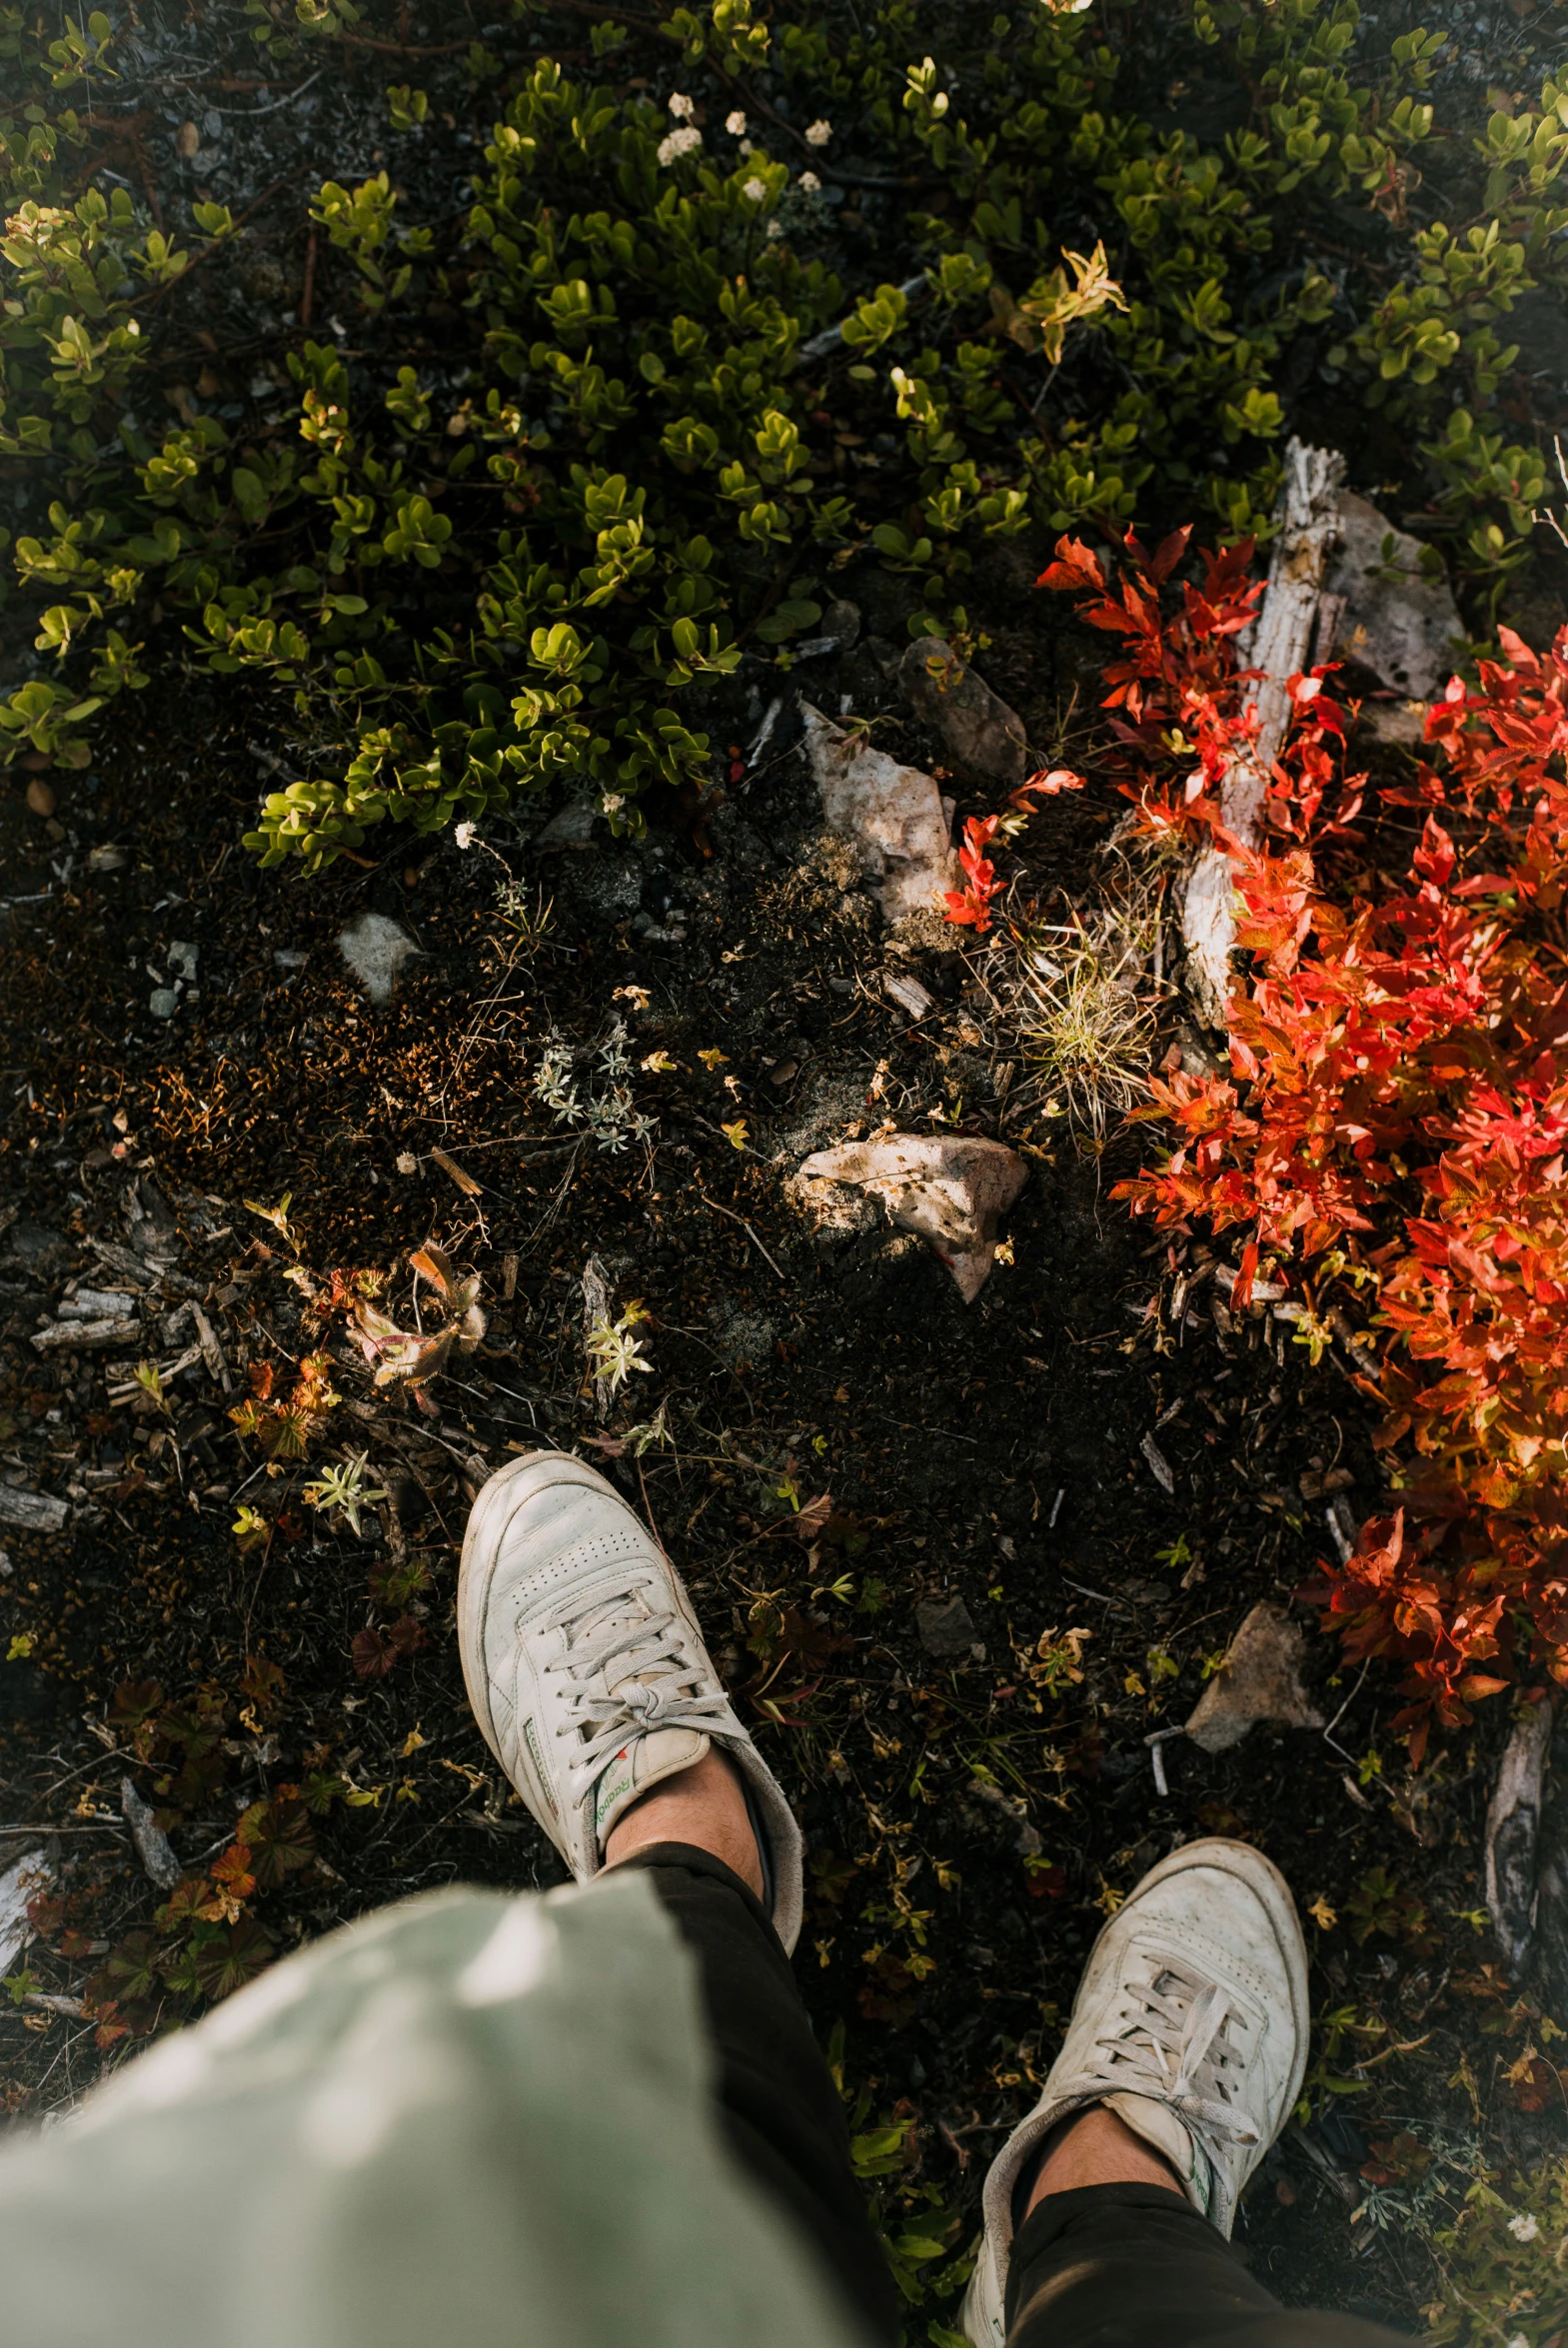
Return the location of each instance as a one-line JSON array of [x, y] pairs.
[[471, 2121]]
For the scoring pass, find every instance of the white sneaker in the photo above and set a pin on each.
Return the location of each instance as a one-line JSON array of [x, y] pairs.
[[1190, 2024], [586, 1671]]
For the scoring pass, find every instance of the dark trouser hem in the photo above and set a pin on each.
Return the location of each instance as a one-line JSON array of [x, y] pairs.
[[1134, 2266], [780, 2111]]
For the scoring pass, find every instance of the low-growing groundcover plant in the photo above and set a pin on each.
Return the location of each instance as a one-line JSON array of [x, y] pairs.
[[730, 302], [1394, 1131]]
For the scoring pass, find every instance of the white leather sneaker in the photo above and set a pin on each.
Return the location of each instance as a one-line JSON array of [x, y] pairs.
[[586, 1671], [1190, 2024]]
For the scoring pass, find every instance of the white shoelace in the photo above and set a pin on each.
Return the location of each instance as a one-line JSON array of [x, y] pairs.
[[659, 1685], [1170, 2044]]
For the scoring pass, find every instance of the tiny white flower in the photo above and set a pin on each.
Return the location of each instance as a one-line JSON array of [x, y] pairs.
[[680, 107], [735, 124], [774, 228], [817, 134], [756, 189], [613, 801], [1519, 2341], [678, 142], [746, 146], [809, 183], [464, 835], [1524, 2228]]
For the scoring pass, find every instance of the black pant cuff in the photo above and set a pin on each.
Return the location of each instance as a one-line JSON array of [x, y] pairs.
[[696, 1862]]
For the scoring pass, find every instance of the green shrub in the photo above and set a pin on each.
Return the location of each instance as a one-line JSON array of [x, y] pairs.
[[456, 597]]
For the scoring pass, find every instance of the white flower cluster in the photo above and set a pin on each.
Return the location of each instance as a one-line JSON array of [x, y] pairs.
[[817, 134], [735, 124], [756, 189], [809, 183], [1524, 2227], [680, 107], [678, 142]]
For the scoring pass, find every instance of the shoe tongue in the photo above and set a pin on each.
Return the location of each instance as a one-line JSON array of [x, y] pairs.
[[642, 1762], [1160, 2127]]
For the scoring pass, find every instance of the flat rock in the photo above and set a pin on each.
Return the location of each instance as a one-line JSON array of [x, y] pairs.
[[1260, 1680], [951, 1189], [571, 826], [1402, 629], [945, 1625], [976, 725], [891, 813]]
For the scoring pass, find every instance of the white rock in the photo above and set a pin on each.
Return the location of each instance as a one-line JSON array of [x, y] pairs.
[[376, 949], [893, 815], [951, 1189]]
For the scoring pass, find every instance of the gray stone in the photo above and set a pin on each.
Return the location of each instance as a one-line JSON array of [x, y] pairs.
[[1402, 629], [153, 1846], [976, 725], [945, 1625], [1260, 1680], [572, 827], [842, 621]]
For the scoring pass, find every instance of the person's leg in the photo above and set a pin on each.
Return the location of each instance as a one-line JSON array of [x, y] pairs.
[[1108, 2215], [1112, 2250], [781, 2113], [590, 1682]]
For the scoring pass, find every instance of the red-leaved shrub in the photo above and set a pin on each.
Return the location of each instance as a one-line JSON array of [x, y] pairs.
[[1398, 1110]]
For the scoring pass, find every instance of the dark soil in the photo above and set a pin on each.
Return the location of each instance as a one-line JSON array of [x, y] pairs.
[[989, 1453], [971, 1817]]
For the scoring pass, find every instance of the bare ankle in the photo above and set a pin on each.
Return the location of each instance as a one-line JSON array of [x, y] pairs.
[[1094, 2147], [704, 1806]]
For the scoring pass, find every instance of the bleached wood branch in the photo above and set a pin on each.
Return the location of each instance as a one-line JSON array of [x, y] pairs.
[[1279, 646]]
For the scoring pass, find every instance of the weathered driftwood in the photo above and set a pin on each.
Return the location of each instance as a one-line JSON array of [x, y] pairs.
[[1513, 1834], [1279, 648], [1343, 585]]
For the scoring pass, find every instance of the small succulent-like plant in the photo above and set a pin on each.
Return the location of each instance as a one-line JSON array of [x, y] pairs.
[[415, 1357], [344, 1490], [615, 1352]]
